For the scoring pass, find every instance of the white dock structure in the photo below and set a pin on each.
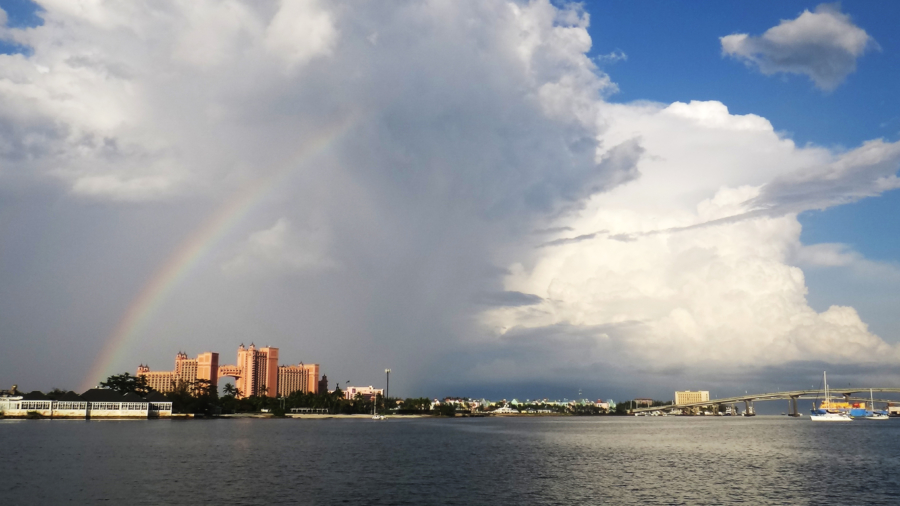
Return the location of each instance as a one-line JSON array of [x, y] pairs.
[[93, 404]]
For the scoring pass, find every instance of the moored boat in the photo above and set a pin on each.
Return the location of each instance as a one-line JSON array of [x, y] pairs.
[[826, 412], [872, 414]]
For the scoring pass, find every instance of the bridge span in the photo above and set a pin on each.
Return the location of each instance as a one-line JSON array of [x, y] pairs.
[[792, 396]]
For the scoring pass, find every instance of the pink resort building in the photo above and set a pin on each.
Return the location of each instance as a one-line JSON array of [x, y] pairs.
[[187, 370], [256, 373], [298, 378]]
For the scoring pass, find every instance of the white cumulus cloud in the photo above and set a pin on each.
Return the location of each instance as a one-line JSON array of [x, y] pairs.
[[695, 261]]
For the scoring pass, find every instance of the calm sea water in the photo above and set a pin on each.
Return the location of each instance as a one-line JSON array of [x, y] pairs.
[[560, 460]]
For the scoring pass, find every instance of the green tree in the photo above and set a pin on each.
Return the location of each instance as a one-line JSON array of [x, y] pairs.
[[124, 383], [197, 397], [231, 390], [447, 409], [55, 394]]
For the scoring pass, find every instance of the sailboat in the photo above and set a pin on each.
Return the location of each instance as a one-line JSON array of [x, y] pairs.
[[828, 414], [375, 415], [874, 415]]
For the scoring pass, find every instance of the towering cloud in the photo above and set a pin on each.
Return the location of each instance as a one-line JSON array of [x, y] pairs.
[[694, 262], [823, 44]]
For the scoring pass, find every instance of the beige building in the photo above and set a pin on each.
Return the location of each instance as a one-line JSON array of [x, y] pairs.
[[688, 397], [298, 378], [187, 371]]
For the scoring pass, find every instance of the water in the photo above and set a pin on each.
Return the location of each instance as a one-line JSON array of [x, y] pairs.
[[558, 460]]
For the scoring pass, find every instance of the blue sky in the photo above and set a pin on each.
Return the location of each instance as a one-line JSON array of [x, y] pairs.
[[19, 14], [485, 213]]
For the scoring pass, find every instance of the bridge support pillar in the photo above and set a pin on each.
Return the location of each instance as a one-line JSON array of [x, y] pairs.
[[748, 405], [794, 411]]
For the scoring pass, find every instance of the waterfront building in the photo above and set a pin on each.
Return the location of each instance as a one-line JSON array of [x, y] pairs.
[[368, 393], [298, 378], [256, 371], [689, 397], [187, 371], [95, 403], [643, 402]]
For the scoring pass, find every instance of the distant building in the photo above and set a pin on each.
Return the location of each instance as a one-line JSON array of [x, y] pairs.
[[187, 370], [256, 372], [368, 393], [298, 378], [643, 402], [689, 397]]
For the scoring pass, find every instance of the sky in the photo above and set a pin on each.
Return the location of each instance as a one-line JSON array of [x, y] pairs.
[[491, 198]]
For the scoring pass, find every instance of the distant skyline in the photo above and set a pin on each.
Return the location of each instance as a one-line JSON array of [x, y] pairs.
[[491, 198]]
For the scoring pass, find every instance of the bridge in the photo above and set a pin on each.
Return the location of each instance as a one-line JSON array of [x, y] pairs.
[[792, 396]]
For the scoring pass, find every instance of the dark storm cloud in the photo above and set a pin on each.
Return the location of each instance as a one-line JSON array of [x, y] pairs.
[[507, 299]]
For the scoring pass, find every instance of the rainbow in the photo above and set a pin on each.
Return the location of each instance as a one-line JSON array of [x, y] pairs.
[[191, 252]]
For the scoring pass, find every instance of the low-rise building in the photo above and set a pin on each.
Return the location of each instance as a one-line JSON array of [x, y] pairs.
[[95, 403], [368, 393]]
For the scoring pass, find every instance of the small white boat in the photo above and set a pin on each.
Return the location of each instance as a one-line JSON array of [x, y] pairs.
[[874, 415], [375, 415], [828, 414]]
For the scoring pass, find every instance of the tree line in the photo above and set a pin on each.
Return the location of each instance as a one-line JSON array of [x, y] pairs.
[[201, 397]]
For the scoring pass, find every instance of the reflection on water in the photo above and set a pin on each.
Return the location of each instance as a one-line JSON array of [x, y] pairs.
[[763, 460]]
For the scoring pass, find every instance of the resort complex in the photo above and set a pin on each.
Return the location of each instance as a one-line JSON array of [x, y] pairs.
[[256, 373]]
